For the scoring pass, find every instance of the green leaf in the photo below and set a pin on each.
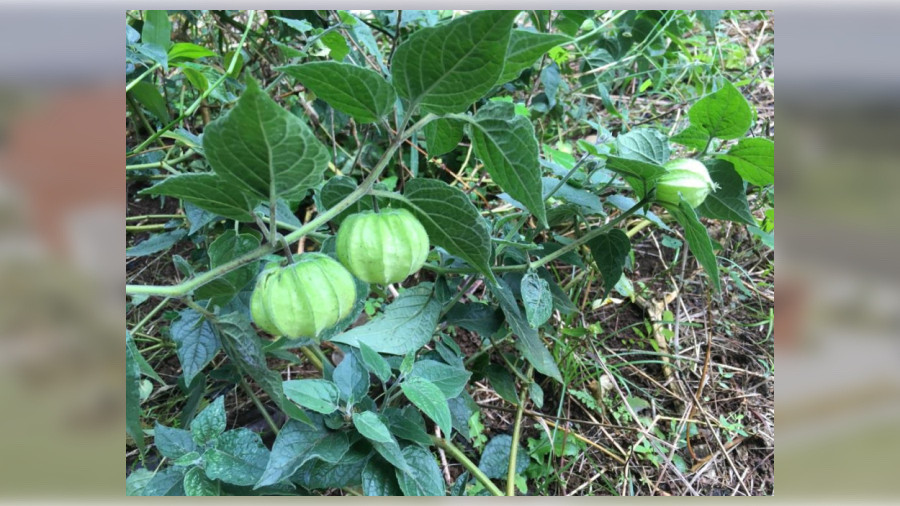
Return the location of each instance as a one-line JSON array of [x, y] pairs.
[[699, 241], [610, 251], [494, 461], [318, 474], [209, 423], [301, 25], [424, 476], [196, 484], [373, 428], [242, 345], [724, 114], [503, 382], [536, 298], [298, 443], [694, 136], [406, 325], [183, 51], [585, 200], [645, 145], [137, 481], [173, 443], [351, 378], [450, 380], [442, 135], [475, 317], [264, 149], [505, 142], [536, 393], [227, 247], [145, 368], [429, 398], [167, 482], [709, 18], [157, 29], [149, 96], [451, 220], [336, 189], [378, 479], [195, 343], [447, 68], [524, 48], [408, 424], [375, 362], [729, 201], [133, 396], [238, 457], [638, 174], [156, 243], [321, 396], [206, 191], [754, 160], [337, 45], [357, 91], [528, 342]]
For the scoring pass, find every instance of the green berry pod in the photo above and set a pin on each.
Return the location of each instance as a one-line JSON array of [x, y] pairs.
[[686, 176], [382, 247], [303, 299]]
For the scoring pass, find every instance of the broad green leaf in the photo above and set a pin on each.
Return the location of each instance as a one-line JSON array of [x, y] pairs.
[[536, 298], [623, 203], [408, 424], [754, 159], [336, 44], [207, 191], [351, 378], [375, 362], [503, 383], [645, 145], [173, 443], [209, 423], [451, 220], [137, 480], [729, 201], [318, 474], [298, 443], [586, 201], [187, 51], [238, 457], [357, 91], [447, 68], [149, 96], [561, 299], [495, 457], [157, 29], [196, 484], [406, 325], [699, 241], [301, 25], [338, 188], [638, 174], [243, 347], [227, 247], [264, 149], [198, 217], [536, 393], [144, 367], [450, 380], [378, 479], [524, 48], [694, 136], [709, 18], [166, 482], [321, 396], [475, 317], [156, 243], [195, 343], [442, 135], [506, 144], [528, 342], [461, 410], [424, 476], [724, 114], [429, 398], [610, 251], [133, 396], [372, 427]]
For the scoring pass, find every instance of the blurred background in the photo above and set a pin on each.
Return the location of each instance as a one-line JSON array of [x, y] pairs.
[[62, 205]]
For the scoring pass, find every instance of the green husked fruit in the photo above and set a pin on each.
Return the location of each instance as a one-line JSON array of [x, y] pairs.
[[687, 176], [382, 247], [303, 299]]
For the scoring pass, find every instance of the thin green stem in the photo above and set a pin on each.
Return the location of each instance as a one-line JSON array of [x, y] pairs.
[[259, 405], [144, 228], [156, 165], [517, 432], [149, 71], [470, 466], [149, 315], [155, 217]]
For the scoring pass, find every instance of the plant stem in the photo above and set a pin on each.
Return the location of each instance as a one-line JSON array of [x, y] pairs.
[[149, 71], [189, 285], [156, 165], [470, 466], [149, 315], [259, 405], [142, 228], [517, 432]]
